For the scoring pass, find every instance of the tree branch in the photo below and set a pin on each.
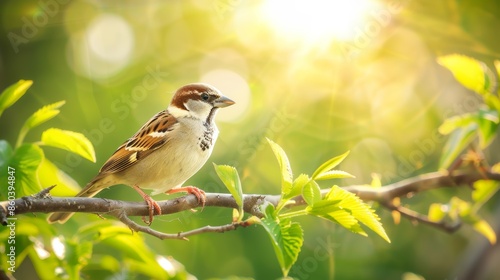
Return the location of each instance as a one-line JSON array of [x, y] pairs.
[[44, 203]]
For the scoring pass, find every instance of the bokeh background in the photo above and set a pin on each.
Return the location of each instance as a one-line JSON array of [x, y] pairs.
[[317, 77]]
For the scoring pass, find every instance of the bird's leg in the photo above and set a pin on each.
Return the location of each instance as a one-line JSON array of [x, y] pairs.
[[200, 194], [153, 205]]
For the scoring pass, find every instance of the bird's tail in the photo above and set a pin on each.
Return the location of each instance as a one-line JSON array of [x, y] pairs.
[[90, 190]]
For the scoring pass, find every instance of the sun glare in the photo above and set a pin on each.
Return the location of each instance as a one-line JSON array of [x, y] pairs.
[[315, 20]]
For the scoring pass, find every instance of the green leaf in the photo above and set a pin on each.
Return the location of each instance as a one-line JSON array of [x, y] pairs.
[[436, 212], [70, 141], [488, 126], [5, 155], [286, 170], [456, 143], [483, 191], [485, 229], [311, 192], [77, 255], [460, 209], [49, 174], [11, 94], [297, 186], [323, 207], [287, 239], [229, 176], [456, 122], [329, 165], [471, 73], [25, 161], [345, 219], [358, 209], [334, 174], [42, 115]]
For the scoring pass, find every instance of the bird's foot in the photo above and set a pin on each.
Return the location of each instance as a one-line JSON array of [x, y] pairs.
[[153, 206], [200, 194]]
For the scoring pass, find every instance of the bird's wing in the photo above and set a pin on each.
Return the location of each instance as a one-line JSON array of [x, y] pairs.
[[151, 136]]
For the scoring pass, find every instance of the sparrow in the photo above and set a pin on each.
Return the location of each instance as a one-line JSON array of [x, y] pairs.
[[166, 151]]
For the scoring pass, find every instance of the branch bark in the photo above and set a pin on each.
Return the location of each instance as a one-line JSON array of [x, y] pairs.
[[44, 203]]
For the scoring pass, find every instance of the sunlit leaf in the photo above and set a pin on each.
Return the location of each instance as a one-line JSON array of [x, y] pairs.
[[229, 176], [329, 165], [286, 237], [376, 181], [46, 268], [151, 269], [483, 191], [297, 186], [11, 94], [311, 192], [358, 209], [488, 127], [49, 174], [129, 245], [286, 170], [485, 229], [471, 73], [492, 101], [334, 174], [323, 207], [6, 152], [459, 208], [42, 115], [451, 124], [296, 189], [70, 141], [457, 142], [436, 212], [25, 161], [77, 255]]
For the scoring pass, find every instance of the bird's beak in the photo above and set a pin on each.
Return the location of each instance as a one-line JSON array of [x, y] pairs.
[[223, 101]]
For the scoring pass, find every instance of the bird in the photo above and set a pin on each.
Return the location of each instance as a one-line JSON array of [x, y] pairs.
[[165, 152]]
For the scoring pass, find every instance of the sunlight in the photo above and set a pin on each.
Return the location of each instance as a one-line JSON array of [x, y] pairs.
[[315, 20]]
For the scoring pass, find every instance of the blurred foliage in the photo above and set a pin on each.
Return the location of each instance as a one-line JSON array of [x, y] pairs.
[[383, 94]]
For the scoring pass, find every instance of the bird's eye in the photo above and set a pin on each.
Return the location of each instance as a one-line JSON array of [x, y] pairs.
[[204, 96]]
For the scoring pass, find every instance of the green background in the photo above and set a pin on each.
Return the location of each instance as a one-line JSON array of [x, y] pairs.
[[381, 95]]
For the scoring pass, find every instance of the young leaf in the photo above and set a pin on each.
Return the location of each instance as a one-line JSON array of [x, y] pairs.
[[11, 94], [485, 229], [457, 142], [296, 189], [42, 115], [451, 124], [358, 209], [49, 174], [323, 207], [471, 73], [329, 165], [70, 141], [5, 155], [483, 191], [287, 239], [311, 192], [229, 176], [488, 126], [286, 170], [25, 161], [334, 174], [297, 186], [436, 212]]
